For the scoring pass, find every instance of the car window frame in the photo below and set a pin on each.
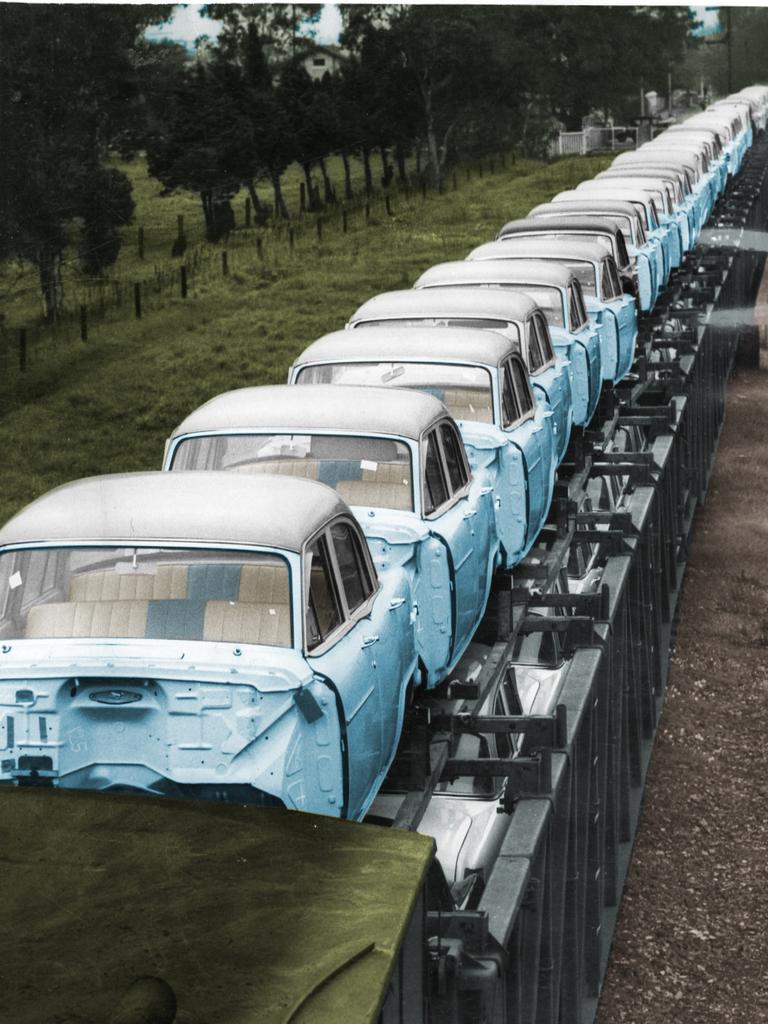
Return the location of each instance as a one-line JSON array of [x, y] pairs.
[[506, 366], [454, 496], [540, 320], [349, 619]]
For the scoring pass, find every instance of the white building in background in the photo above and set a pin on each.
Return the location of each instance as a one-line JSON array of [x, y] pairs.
[[322, 60]]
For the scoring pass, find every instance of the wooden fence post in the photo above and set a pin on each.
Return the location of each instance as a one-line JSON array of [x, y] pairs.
[[388, 206], [183, 281], [259, 247], [137, 300], [22, 348], [224, 263], [344, 221], [83, 323], [141, 243], [367, 212], [302, 197], [319, 225], [291, 239], [247, 211]]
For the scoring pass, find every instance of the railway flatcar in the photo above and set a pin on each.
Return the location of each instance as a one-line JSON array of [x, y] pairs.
[[575, 334], [397, 458], [150, 911], [482, 380], [491, 309], [614, 310]]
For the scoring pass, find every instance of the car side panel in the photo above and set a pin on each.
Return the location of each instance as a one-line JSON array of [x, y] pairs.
[[371, 666], [554, 386]]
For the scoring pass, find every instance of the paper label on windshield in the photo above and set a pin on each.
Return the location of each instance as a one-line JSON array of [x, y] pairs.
[[14, 581], [365, 464]]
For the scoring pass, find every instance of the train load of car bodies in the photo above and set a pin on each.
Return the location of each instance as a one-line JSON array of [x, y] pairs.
[[428, 584]]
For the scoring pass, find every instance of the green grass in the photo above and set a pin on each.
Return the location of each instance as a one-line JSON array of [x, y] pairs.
[[109, 405]]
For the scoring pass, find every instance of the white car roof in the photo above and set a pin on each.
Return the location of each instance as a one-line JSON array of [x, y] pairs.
[[439, 344], [257, 510], [465, 272], [480, 303], [348, 409]]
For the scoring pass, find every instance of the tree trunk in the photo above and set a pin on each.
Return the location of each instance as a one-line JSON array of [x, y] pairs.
[[313, 199], [328, 190], [347, 174], [386, 167], [367, 169], [52, 292], [402, 174], [206, 198], [260, 209], [281, 210]]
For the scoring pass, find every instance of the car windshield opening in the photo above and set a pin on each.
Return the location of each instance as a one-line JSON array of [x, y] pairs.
[[372, 471], [464, 390], [153, 593]]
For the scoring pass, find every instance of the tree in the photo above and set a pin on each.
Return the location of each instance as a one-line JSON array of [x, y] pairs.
[[287, 28], [436, 63], [600, 57], [65, 78], [311, 123], [200, 144]]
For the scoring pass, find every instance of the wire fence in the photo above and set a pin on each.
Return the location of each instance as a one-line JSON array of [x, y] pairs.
[[90, 302]]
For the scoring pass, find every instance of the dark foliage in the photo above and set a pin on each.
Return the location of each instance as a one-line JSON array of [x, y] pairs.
[[65, 81]]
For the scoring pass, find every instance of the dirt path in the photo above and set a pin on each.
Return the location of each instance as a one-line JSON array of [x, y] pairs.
[[691, 943]]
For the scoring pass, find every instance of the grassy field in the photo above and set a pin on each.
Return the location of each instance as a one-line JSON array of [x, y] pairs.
[[109, 405]]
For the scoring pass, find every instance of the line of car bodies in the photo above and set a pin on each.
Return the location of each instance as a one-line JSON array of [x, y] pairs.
[[250, 623]]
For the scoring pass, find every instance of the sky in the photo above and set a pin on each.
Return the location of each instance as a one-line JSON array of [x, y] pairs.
[[709, 18], [187, 23]]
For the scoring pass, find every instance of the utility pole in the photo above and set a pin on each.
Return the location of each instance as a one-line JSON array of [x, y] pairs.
[[727, 42]]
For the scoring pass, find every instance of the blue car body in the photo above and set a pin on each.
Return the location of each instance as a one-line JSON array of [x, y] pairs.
[[170, 643], [707, 185], [644, 253], [614, 310], [647, 162], [679, 209], [479, 375], [557, 291], [656, 233], [397, 460], [712, 137], [511, 313]]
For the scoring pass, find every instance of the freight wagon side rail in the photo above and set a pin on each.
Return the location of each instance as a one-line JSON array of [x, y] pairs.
[[530, 943]]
